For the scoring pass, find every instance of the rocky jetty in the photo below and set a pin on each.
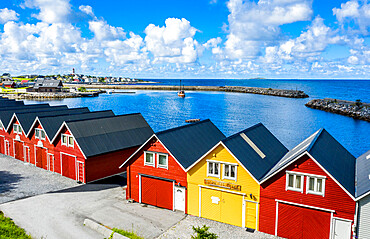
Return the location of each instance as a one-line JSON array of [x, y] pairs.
[[356, 110], [239, 89]]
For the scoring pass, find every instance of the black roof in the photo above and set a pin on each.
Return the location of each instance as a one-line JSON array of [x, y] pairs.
[[51, 124], [16, 107], [26, 119], [363, 174], [329, 153], [6, 116], [6, 103], [189, 142], [256, 148], [99, 136]]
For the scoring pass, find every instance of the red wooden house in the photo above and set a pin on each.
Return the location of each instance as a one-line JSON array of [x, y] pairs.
[[43, 130], [156, 171], [92, 149], [310, 192]]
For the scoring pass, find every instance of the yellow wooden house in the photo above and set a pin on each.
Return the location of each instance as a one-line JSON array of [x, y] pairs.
[[223, 185]]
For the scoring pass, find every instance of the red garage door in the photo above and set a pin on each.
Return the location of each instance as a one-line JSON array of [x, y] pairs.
[[18, 147], [41, 160], [69, 166], [157, 192], [296, 222]]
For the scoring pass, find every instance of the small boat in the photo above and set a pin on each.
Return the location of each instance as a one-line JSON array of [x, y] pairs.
[[181, 92]]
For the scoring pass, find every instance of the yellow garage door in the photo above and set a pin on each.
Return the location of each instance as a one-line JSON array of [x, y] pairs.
[[222, 206], [250, 214], [211, 204]]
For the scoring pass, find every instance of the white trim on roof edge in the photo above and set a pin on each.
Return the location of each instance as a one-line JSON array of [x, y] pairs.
[[132, 155], [362, 196], [213, 148], [33, 125], [154, 135]]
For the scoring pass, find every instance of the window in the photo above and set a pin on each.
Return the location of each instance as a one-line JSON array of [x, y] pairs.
[[294, 182], [39, 134], [64, 139], [213, 169], [17, 129], [67, 140], [149, 159], [70, 141], [230, 171], [162, 161], [315, 185]]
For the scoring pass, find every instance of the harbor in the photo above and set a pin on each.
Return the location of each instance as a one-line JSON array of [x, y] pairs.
[[237, 89]]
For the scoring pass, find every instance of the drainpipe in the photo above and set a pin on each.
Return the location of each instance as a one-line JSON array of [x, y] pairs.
[[354, 227]]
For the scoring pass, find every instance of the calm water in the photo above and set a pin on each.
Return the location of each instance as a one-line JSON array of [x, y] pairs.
[[287, 118]]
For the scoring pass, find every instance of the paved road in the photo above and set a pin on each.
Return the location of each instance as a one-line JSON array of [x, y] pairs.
[[21, 180], [61, 214]]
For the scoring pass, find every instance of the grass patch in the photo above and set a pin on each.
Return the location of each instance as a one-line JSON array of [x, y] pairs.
[[8, 230], [131, 235]]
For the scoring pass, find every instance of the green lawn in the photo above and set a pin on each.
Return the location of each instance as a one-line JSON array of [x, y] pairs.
[[8, 230]]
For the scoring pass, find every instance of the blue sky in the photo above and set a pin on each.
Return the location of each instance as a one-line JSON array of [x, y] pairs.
[[187, 38]]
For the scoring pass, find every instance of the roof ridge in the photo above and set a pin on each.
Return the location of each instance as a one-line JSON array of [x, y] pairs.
[[114, 116], [315, 139], [40, 117], [21, 113], [183, 126], [243, 131]]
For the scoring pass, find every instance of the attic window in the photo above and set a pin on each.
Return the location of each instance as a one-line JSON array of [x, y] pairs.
[[17, 129], [39, 134], [67, 140], [254, 147]]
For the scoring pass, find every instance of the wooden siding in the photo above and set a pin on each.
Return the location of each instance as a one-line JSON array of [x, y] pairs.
[[335, 197], [249, 186], [363, 229], [136, 167], [105, 165]]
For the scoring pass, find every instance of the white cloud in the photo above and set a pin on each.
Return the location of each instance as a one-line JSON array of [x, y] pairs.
[[51, 11], [7, 15], [357, 11], [251, 24], [104, 31], [173, 42], [86, 9]]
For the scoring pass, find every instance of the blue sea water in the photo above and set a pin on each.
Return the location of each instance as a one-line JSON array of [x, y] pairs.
[[288, 119]]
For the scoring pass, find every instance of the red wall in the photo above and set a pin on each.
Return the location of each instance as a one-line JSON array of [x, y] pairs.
[[335, 197], [136, 166], [107, 164]]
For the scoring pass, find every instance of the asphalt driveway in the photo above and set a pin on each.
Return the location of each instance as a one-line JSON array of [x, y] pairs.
[[61, 214], [20, 180]]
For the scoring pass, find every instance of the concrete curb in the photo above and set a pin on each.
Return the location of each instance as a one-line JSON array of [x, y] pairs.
[[102, 229]]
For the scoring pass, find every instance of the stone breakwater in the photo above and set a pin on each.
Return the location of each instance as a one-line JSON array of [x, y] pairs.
[[239, 89], [356, 110]]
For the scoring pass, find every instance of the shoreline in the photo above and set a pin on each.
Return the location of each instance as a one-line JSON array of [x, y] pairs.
[[356, 110], [237, 89]]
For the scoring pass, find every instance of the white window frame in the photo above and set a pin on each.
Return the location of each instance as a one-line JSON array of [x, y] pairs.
[[287, 187], [224, 171], [61, 139], [219, 169], [40, 134], [18, 127], [161, 165], [315, 177], [67, 142], [145, 162]]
